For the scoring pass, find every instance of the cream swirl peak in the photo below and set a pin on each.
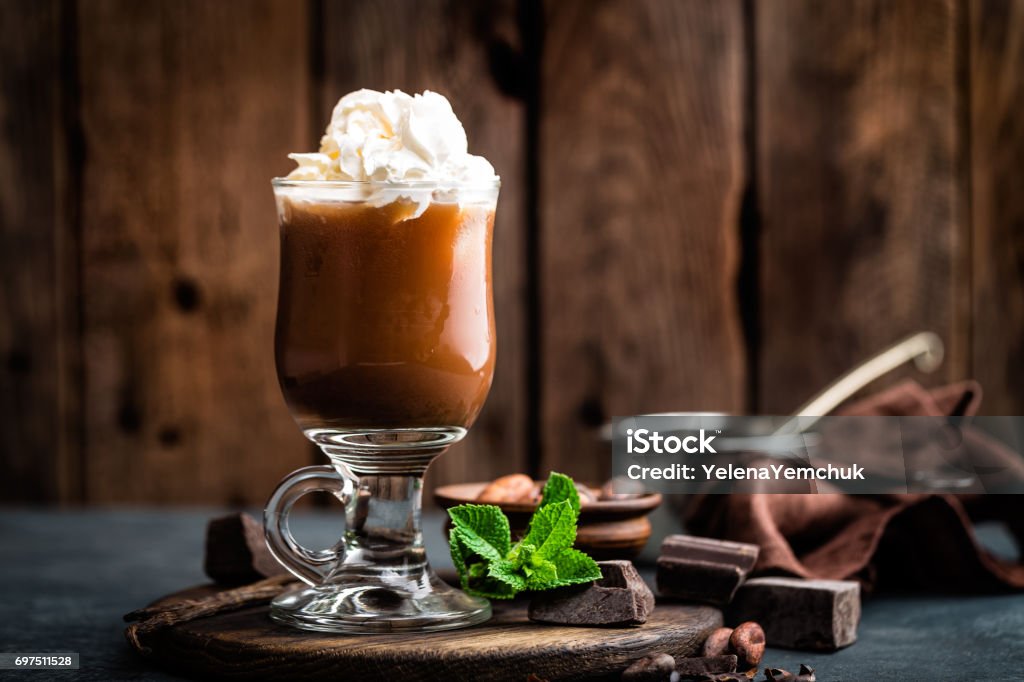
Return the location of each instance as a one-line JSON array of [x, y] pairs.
[[393, 137]]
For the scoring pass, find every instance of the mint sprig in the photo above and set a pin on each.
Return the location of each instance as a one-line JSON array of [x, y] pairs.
[[489, 565]]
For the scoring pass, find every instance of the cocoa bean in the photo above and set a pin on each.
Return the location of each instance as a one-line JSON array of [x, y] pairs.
[[511, 488], [747, 642], [717, 642]]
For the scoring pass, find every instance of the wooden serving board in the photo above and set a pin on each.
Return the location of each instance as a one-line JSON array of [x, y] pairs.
[[247, 645]]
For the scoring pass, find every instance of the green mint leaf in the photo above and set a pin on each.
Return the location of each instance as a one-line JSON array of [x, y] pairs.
[[479, 537], [459, 556], [552, 529], [490, 588], [488, 564], [574, 567], [474, 574], [482, 528], [558, 488], [541, 574], [521, 553], [509, 574]]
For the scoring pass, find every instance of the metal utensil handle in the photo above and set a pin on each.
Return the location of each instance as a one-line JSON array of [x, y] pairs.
[[924, 348]]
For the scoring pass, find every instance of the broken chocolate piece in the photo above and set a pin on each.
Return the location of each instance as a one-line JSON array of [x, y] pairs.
[[698, 581], [814, 615], [620, 597], [693, 548], [236, 551], [705, 666], [778, 675], [703, 569], [656, 668]]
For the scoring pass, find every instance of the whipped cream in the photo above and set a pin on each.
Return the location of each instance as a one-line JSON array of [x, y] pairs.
[[392, 137]]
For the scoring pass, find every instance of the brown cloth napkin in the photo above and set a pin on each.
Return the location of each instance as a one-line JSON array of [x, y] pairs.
[[899, 541]]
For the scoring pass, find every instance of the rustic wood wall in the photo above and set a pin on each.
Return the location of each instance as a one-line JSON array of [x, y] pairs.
[[706, 205]]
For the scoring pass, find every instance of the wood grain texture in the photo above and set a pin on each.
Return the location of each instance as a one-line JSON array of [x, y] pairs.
[[247, 645], [997, 201], [188, 110], [460, 50], [38, 385], [859, 189], [641, 181]]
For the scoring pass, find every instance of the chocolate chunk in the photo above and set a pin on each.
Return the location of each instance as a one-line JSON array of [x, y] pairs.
[[703, 569], [702, 667], [656, 668], [738, 554], [236, 552], [620, 597], [698, 581], [814, 615]]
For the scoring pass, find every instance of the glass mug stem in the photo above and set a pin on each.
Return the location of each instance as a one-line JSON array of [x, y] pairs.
[[382, 528]]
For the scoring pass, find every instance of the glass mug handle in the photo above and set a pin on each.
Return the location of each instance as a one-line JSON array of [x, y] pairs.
[[309, 566]]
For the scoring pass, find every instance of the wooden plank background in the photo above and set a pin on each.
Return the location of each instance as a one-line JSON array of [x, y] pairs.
[[706, 205], [996, 72], [858, 186], [38, 436], [641, 185]]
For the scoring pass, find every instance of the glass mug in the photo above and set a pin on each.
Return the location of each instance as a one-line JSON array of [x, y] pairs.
[[385, 349]]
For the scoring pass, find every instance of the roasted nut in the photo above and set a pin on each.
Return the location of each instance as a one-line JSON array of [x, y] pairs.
[[511, 488], [717, 642], [747, 642], [656, 668]]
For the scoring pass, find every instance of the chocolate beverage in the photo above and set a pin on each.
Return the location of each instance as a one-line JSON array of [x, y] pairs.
[[384, 320]]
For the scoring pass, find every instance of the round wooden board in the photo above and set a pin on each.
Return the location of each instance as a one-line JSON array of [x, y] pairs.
[[247, 645]]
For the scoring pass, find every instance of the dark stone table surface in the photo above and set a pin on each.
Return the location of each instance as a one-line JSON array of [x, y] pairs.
[[68, 576]]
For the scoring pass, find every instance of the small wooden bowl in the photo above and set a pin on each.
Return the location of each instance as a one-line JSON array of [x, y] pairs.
[[607, 529]]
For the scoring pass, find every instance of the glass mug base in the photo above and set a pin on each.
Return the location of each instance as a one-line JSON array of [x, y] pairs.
[[425, 604]]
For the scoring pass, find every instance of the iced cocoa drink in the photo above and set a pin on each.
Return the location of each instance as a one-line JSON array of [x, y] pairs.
[[384, 349], [385, 326], [384, 312]]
